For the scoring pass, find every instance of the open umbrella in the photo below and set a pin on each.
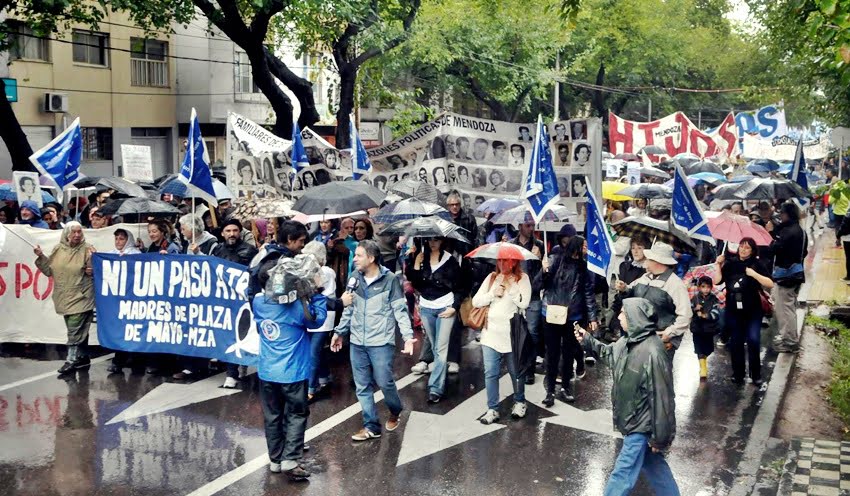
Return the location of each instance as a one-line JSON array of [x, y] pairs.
[[728, 191], [627, 157], [607, 155], [765, 164], [497, 205], [727, 226], [770, 189], [501, 250], [654, 172], [521, 215], [123, 187], [611, 191], [6, 194], [339, 197], [143, 207], [174, 186], [686, 159], [654, 230], [648, 191], [653, 150], [697, 167], [426, 227], [263, 208], [414, 188], [709, 177], [410, 208]]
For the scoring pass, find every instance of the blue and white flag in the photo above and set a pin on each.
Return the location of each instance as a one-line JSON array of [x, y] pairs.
[[600, 246], [60, 159], [196, 163], [360, 164], [687, 213], [298, 155], [798, 172], [541, 186]]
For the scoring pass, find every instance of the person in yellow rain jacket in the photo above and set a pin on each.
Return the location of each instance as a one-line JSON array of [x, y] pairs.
[[839, 199]]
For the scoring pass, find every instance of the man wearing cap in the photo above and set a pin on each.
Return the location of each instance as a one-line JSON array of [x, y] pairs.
[[237, 251], [667, 293]]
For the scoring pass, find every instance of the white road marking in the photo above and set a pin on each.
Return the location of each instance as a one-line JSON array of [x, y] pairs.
[[45, 375], [317, 430]]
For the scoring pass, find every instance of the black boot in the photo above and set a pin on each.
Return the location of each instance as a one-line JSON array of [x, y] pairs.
[[66, 368], [566, 394], [549, 400]]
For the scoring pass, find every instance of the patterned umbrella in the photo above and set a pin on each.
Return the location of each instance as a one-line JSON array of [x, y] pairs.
[[426, 227], [414, 188], [248, 210], [497, 205], [410, 208], [645, 190], [521, 215], [654, 230], [693, 275], [504, 251]]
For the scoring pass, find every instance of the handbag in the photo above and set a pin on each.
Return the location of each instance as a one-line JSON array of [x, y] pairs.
[[477, 318], [556, 314], [766, 303], [793, 274], [465, 309]]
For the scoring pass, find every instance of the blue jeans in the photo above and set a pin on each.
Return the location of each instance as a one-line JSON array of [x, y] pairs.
[[318, 365], [745, 328], [637, 456], [439, 331], [492, 369], [374, 364], [533, 318]]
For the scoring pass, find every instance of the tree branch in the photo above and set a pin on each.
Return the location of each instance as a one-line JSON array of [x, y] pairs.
[[260, 23], [300, 87], [407, 23], [463, 72], [518, 104]]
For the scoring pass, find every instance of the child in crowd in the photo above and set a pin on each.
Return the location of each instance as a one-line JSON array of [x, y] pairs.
[[704, 325]]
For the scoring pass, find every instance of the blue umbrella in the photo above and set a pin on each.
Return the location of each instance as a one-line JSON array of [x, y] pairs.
[[709, 177], [174, 187], [497, 205], [742, 178], [762, 165], [7, 194]]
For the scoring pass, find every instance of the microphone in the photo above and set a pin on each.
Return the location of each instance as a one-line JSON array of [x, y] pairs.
[[352, 285]]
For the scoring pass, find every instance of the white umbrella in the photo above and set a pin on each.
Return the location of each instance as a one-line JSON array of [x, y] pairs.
[[222, 192]]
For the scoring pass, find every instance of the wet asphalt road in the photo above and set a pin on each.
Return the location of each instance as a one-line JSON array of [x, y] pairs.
[[54, 436]]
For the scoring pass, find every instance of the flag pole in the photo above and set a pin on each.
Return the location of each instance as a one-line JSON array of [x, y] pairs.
[[18, 236]]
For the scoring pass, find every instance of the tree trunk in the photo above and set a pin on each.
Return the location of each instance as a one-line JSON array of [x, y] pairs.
[[598, 96], [300, 87], [14, 137], [281, 104], [347, 84]]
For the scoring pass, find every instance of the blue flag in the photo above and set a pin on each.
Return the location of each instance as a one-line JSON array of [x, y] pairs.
[[60, 159], [196, 163], [360, 164], [541, 186], [298, 155], [178, 304], [798, 172], [600, 246], [687, 213]]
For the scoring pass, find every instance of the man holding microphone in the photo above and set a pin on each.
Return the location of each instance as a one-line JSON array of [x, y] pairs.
[[374, 307]]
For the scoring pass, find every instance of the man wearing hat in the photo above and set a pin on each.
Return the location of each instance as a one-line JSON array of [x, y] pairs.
[[667, 293], [237, 251]]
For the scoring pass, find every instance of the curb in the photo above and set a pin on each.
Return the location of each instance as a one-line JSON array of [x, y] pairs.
[[758, 442]]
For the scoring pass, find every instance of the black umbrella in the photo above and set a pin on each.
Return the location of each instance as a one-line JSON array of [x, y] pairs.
[[339, 197], [121, 186], [728, 191], [522, 347], [411, 208], [138, 206], [653, 172], [770, 189], [697, 167], [653, 150], [686, 159], [654, 230], [646, 190], [426, 227], [414, 188]]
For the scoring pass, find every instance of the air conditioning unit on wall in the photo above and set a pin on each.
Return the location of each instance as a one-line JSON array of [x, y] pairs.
[[55, 102]]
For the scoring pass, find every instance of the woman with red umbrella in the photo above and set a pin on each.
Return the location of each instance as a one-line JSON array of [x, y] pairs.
[[506, 292]]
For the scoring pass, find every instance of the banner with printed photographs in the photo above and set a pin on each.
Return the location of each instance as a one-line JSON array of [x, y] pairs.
[[257, 161]]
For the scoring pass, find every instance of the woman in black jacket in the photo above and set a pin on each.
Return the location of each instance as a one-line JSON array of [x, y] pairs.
[[433, 273], [568, 299]]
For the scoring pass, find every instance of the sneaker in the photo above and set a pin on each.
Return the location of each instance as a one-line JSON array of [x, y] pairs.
[[758, 382], [274, 467], [549, 400], [392, 423], [182, 376], [66, 368], [529, 379], [82, 363], [419, 368], [565, 395], [297, 474], [229, 383], [590, 360], [364, 434], [538, 360], [519, 410], [489, 417], [434, 398], [454, 368]]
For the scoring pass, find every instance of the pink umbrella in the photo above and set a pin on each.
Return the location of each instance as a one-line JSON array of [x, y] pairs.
[[733, 228], [500, 251]]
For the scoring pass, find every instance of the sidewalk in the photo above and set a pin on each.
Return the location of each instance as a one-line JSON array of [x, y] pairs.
[[816, 467], [828, 271]]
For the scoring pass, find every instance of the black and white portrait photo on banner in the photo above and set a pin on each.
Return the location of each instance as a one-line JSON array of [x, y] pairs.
[[27, 187]]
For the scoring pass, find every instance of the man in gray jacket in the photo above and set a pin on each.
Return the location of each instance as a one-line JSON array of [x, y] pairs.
[[642, 397], [374, 306]]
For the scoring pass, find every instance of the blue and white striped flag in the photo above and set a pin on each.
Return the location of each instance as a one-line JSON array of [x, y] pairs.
[[687, 213], [60, 159], [600, 246]]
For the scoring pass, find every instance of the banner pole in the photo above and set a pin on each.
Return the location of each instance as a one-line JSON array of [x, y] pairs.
[[18, 236]]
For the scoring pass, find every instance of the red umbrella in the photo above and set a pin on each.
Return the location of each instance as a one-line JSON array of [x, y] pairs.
[[733, 228], [502, 251]]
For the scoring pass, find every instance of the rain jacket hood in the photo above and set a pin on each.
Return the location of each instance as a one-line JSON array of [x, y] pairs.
[[641, 319], [36, 219], [73, 290]]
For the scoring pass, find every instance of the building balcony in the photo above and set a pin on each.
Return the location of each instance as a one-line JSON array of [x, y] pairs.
[[152, 73]]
